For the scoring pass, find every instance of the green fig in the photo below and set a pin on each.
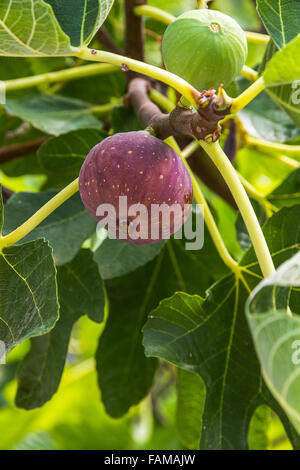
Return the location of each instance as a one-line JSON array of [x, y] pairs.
[[205, 47]]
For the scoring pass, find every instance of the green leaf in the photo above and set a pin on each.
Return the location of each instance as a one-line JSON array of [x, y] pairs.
[[288, 192], [63, 156], [66, 228], [28, 302], [273, 313], [53, 114], [211, 337], [124, 374], [124, 120], [258, 430], [284, 67], [80, 20], [281, 19], [281, 76], [116, 258], [80, 292], [190, 390], [29, 28], [264, 119], [285, 96]]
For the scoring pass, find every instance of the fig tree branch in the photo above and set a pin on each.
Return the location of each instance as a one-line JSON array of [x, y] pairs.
[[134, 34], [6, 194], [203, 124], [21, 150]]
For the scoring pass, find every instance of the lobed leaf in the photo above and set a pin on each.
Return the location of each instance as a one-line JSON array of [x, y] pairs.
[[30, 28], [211, 337], [191, 399], [116, 258], [53, 114], [81, 292], [281, 18], [28, 292], [88, 18], [273, 314], [125, 375]]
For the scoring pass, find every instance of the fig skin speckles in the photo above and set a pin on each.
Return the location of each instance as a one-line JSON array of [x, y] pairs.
[[141, 167]]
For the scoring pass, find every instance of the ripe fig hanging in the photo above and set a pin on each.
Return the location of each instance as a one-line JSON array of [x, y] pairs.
[[143, 180]]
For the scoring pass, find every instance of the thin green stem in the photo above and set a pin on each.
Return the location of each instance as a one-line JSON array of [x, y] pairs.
[[183, 87], [167, 18], [257, 38], [161, 100], [190, 149], [251, 190], [73, 73], [208, 217], [248, 95], [229, 174], [249, 73], [154, 13], [277, 147], [102, 108], [287, 161], [39, 216], [258, 196]]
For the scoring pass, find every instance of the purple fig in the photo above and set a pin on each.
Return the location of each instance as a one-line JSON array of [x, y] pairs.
[[144, 182]]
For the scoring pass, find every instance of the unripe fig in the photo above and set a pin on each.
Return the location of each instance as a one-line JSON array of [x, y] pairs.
[[205, 47], [149, 173]]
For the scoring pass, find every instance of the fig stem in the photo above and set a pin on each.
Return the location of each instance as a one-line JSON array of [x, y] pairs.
[[73, 73], [238, 191], [39, 216], [183, 87], [248, 95], [277, 147], [161, 100], [208, 217], [251, 190], [258, 196], [257, 38], [249, 73], [287, 161], [154, 13], [167, 18]]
